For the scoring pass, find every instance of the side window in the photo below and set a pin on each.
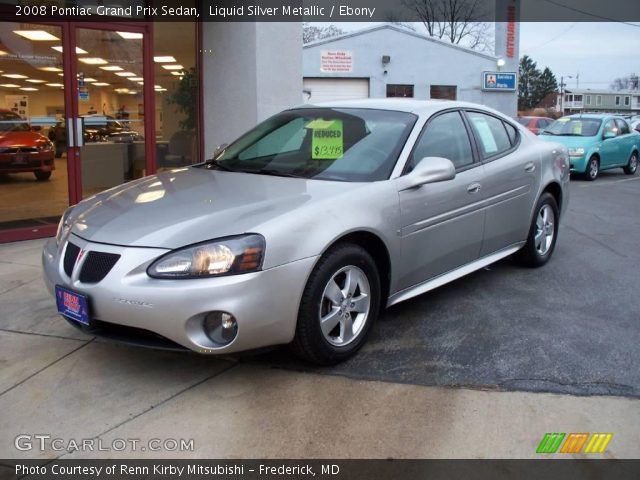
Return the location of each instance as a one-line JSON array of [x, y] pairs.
[[610, 126], [513, 133], [445, 136], [491, 134], [623, 127]]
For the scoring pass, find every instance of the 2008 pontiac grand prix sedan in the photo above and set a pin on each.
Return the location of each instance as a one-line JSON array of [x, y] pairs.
[[304, 228]]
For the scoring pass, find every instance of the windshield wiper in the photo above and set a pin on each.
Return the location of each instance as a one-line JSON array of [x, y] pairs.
[[547, 132], [219, 165], [275, 173]]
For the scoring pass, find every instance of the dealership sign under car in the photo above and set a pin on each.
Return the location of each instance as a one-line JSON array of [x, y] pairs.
[[303, 229]]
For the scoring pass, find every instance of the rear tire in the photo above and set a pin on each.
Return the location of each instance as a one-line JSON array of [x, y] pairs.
[[42, 176], [543, 234], [632, 166], [339, 304], [593, 169]]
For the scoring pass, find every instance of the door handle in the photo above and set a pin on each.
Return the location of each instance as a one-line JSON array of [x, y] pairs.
[[79, 133], [474, 188], [530, 167]]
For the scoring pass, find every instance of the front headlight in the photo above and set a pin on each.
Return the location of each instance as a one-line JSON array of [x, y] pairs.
[[576, 152], [45, 146], [224, 256], [63, 226]]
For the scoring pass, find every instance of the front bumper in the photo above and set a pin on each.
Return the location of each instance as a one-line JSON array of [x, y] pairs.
[[578, 164], [265, 304], [27, 162]]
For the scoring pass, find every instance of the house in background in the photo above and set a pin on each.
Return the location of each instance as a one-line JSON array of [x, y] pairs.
[[613, 101]]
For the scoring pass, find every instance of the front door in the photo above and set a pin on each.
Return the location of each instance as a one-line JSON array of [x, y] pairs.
[[442, 223], [112, 106]]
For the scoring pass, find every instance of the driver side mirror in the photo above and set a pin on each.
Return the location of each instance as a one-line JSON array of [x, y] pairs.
[[428, 170], [609, 134]]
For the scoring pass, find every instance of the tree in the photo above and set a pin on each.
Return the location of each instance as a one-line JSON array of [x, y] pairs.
[[630, 82], [535, 87], [311, 33], [457, 21]]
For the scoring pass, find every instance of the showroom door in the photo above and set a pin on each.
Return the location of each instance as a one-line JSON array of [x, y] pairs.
[[34, 187], [112, 118]]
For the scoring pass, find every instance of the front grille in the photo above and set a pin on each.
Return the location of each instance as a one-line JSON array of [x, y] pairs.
[[70, 257], [97, 265], [19, 150]]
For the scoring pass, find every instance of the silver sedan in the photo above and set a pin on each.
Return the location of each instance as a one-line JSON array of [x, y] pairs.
[[302, 230]]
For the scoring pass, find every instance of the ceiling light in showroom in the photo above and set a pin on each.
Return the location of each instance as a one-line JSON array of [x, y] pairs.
[[90, 80], [178, 74], [35, 80], [2, 53], [9, 85], [135, 79], [112, 68], [51, 69], [100, 84], [93, 61], [79, 51], [13, 75], [173, 67], [36, 35], [54, 85], [29, 89], [130, 35], [125, 74], [164, 59]]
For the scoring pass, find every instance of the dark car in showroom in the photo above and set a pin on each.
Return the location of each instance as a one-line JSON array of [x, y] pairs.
[[96, 128]]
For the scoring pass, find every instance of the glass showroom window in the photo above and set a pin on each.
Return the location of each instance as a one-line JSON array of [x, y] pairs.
[[176, 88]]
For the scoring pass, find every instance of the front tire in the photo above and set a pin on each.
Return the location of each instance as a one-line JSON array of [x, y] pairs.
[[42, 176], [593, 169], [632, 166], [543, 234], [339, 304]]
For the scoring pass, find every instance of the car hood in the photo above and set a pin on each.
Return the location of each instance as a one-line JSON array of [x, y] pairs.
[[570, 141], [15, 139], [189, 205]]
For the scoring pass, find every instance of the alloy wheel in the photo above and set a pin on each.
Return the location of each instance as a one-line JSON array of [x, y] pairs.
[[545, 230], [344, 306], [593, 168]]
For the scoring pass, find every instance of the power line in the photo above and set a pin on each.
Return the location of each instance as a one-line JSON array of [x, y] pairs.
[[590, 14], [553, 39]]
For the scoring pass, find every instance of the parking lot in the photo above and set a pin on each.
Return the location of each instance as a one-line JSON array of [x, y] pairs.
[[520, 343]]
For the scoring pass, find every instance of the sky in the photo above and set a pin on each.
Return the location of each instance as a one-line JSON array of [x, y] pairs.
[[597, 53]]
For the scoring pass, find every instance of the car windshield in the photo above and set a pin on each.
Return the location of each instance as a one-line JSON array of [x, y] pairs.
[[344, 144], [574, 127], [10, 122]]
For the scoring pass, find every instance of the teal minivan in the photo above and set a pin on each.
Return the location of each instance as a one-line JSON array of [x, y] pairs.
[[596, 142]]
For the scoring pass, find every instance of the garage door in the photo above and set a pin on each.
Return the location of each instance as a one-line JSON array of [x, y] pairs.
[[330, 89]]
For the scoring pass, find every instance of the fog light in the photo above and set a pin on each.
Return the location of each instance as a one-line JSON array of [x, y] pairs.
[[220, 327]]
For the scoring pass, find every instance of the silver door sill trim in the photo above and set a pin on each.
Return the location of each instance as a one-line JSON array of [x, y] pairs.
[[452, 275]]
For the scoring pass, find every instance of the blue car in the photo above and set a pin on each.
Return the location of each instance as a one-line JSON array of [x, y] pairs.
[[596, 142]]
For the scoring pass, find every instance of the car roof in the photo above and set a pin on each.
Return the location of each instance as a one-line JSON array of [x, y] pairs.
[[408, 105]]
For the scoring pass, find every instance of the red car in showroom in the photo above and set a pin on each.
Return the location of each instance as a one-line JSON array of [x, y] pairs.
[[22, 149]]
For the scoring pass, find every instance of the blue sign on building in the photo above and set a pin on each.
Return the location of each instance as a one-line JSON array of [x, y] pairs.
[[500, 81]]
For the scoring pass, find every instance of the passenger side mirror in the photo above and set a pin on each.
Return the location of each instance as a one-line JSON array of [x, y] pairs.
[[429, 170], [219, 149], [609, 134]]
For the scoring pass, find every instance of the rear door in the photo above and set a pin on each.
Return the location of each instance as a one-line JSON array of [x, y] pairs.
[[512, 175], [442, 222], [626, 141]]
